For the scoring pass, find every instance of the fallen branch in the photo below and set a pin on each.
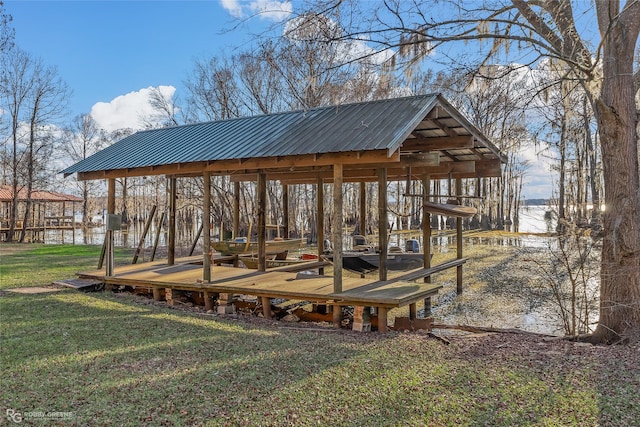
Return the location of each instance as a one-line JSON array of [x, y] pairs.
[[479, 329]]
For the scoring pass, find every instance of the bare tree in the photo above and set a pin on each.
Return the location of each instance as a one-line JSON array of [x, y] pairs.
[[606, 72], [7, 33], [46, 103], [82, 139], [15, 87]]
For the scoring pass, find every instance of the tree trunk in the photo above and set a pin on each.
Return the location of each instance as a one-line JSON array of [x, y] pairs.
[[617, 120]]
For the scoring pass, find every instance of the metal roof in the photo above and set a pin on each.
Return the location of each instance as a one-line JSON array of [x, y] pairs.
[[375, 125], [6, 195]]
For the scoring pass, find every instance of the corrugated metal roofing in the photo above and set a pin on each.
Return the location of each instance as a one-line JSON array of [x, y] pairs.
[[365, 126], [361, 127]]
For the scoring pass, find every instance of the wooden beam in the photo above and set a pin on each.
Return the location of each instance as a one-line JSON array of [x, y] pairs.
[[336, 228], [426, 224], [383, 219], [438, 143], [206, 227], [285, 210], [370, 174], [262, 222], [172, 221], [228, 167], [320, 215], [459, 239], [363, 208], [236, 211]]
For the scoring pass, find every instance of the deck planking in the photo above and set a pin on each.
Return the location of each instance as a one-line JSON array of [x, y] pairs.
[[275, 283]]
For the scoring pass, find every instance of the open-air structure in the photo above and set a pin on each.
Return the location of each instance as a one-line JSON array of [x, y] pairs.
[[50, 210], [412, 138]]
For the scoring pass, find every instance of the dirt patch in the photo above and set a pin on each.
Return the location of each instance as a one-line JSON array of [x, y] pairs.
[[35, 290]]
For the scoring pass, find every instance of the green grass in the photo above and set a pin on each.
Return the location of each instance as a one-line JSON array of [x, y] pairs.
[[38, 264], [112, 359]]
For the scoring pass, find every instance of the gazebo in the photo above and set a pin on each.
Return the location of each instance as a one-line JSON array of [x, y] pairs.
[[411, 138], [48, 211]]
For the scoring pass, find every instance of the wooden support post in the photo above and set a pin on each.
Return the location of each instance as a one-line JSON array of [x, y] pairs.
[[361, 319], [459, 239], [156, 294], [320, 215], [225, 304], [383, 221], [236, 211], [426, 236], [144, 235], [171, 247], [363, 208], [427, 306], [336, 229], [171, 295], [206, 227], [208, 300], [195, 240], [413, 311], [336, 239], [266, 307], [262, 222], [285, 211], [109, 245], [382, 319], [157, 237]]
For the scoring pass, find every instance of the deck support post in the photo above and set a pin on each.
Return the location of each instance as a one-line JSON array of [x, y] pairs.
[[171, 249], [459, 239], [361, 318], [426, 236], [109, 240], [206, 227], [427, 306], [171, 295], [383, 220], [382, 319], [156, 294], [225, 304], [236, 212], [413, 311], [285, 211], [266, 307], [363, 208], [262, 222], [336, 234], [320, 214], [208, 300]]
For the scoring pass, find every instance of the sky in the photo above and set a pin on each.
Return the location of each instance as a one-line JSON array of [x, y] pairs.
[[106, 50], [111, 53]]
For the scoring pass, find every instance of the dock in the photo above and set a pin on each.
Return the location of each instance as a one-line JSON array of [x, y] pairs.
[[296, 282]]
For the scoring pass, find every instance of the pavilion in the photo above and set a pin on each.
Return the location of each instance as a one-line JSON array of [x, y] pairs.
[[411, 138]]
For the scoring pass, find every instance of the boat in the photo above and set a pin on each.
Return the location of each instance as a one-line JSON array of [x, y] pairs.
[[242, 246], [450, 209], [252, 262], [363, 263]]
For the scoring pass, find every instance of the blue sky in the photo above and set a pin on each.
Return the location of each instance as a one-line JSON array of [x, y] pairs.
[[110, 52], [104, 49]]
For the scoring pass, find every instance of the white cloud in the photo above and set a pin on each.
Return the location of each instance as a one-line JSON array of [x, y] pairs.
[[127, 111], [270, 10], [538, 178], [233, 7]]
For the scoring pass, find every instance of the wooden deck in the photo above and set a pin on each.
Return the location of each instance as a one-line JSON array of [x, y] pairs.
[[286, 282]]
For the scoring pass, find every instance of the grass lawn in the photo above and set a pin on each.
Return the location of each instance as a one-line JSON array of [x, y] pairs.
[[117, 359], [37, 264]]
